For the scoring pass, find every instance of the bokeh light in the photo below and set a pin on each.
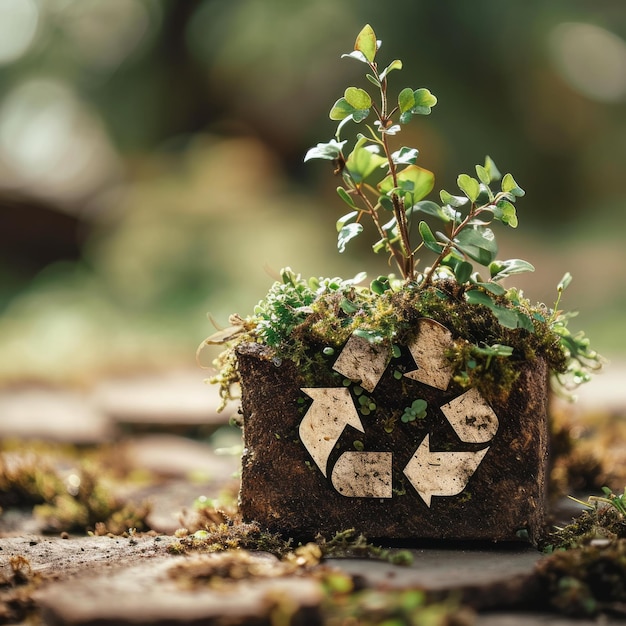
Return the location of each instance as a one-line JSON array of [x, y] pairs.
[[19, 20], [591, 59]]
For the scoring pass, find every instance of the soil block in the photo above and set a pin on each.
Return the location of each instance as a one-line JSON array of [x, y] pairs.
[[393, 447]]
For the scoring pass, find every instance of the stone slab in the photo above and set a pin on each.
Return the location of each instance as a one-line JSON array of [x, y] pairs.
[[53, 415], [152, 594], [170, 399]]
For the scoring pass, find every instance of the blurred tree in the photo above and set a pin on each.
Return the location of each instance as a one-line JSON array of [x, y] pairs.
[[97, 95]]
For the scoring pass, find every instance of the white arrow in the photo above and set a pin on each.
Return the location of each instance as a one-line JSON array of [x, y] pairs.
[[429, 353], [363, 361], [363, 474], [441, 473], [332, 410], [473, 420]]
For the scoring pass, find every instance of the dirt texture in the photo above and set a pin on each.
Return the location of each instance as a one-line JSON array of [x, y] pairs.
[[283, 490]]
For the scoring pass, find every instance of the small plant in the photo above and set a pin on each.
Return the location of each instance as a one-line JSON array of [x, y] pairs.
[[617, 502], [388, 186], [460, 284], [417, 410]]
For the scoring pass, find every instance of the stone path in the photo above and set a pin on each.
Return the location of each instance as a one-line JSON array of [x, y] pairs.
[[82, 580]]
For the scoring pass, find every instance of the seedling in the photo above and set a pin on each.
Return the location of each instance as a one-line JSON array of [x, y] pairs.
[[417, 410]]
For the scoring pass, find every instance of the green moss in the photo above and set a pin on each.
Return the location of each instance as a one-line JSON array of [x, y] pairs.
[[308, 322], [586, 581]]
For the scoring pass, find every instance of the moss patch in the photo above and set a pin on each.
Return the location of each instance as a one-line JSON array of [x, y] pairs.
[[308, 327]]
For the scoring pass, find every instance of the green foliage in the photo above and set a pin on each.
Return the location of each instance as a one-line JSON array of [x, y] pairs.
[[378, 179], [417, 410], [306, 321]]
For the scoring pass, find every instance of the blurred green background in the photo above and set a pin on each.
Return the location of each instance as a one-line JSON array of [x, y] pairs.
[[151, 159]]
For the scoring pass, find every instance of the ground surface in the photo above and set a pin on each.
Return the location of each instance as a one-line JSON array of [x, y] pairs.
[[157, 439]]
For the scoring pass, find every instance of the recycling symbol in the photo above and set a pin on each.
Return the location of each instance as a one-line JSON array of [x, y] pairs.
[[368, 474]]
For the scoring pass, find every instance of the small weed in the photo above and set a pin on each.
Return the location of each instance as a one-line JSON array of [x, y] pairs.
[[417, 410]]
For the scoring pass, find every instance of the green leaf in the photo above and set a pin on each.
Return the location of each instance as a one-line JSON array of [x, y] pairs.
[[429, 239], [373, 336], [347, 218], [469, 186], [505, 212], [502, 269], [479, 244], [348, 232], [379, 246], [453, 201], [490, 166], [483, 175], [386, 203], [476, 296], [346, 197], [394, 65], [363, 160], [510, 186], [366, 43], [358, 98], [405, 156], [347, 306], [463, 271], [523, 321], [419, 102], [406, 100], [413, 180], [431, 208], [380, 285], [494, 288], [329, 151], [341, 109], [373, 79], [424, 102], [356, 54], [507, 317]]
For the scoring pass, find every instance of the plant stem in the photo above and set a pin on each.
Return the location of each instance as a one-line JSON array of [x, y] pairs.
[[404, 256]]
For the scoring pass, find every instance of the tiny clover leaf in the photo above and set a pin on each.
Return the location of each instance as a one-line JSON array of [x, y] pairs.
[[348, 232], [344, 108], [418, 102], [417, 410], [469, 186], [358, 98], [424, 101], [510, 186], [329, 151], [504, 211], [453, 201]]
